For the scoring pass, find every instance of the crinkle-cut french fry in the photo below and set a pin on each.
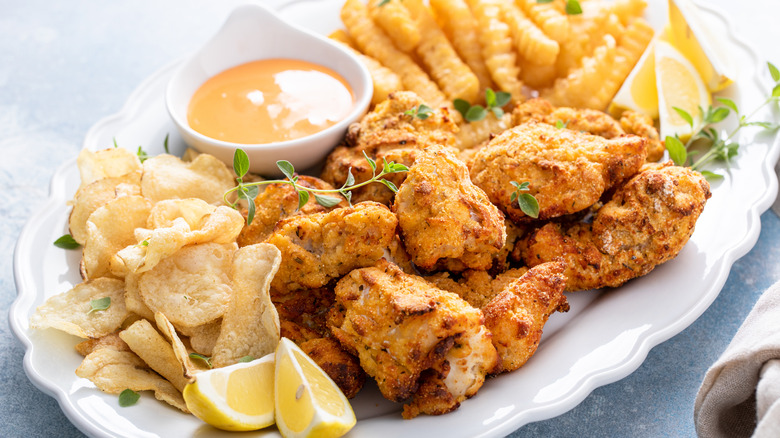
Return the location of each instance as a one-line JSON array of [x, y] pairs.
[[531, 43], [452, 75], [581, 88], [393, 17], [587, 33], [459, 25], [538, 76], [496, 42], [475, 133], [636, 37], [385, 80], [375, 43], [627, 10], [549, 17]]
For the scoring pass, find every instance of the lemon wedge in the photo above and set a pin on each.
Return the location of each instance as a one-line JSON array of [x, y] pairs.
[[679, 85], [308, 402], [638, 92], [238, 397], [703, 47]]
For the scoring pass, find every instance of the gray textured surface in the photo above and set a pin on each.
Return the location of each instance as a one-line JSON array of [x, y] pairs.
[[65, 65]]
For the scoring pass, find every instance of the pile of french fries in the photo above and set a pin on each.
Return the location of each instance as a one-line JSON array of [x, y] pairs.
[[456, 49]]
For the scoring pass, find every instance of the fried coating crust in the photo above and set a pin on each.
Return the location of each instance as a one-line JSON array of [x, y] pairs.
[[646, 223], [386, 133], [305, 307], [324, 246], [593, 122], [279, 201], [445, 220], [516, 316], [476, 287], [568, 170], [400, 325]]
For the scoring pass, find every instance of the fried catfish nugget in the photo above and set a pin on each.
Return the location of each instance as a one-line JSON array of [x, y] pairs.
[[568, 170], [646, 223], [279, 201], [324, 246], [445, 220], [388, 133], [401, 326], [516, 316], [593, 122]]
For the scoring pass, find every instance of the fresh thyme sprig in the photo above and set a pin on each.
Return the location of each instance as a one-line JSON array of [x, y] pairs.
[[249, 190], [573, 7], [422, 112], [719, 146], [494, 100], [526, 201]]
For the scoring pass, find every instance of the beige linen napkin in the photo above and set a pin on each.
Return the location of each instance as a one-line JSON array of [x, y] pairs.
[[740, 394]]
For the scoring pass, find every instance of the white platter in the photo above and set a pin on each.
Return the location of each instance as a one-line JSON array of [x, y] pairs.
[[605, 337]]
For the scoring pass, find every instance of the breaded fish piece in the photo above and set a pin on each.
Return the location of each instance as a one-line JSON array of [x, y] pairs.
[[321, 247], [444, 219], [516, 316], [593, 122], [279, 201], [647, 222], [387, 133], [568, 170], [401, 326]]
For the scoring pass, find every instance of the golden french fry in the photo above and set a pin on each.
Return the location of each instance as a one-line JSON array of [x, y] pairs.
[[496, 43], [72, 312], [628, 10], [531, 43], [251, 325], [549, 17], [144, 340], [460, 27], [375, 43], [394, 18], [453, 76], [538, 76], [343, 37], [385, 80]]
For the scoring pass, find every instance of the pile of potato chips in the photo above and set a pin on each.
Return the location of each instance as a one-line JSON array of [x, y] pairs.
[[167, 292]]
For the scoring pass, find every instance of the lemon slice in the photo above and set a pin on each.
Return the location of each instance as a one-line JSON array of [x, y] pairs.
[[237, 397], [695, 40], [308, 402], [638, 92], [679, 85]]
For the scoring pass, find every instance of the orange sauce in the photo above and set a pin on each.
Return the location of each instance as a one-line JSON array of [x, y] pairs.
[[268, 101]]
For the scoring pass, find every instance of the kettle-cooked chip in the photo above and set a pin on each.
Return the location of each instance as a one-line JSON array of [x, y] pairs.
[[114, 371], [106, 163], [96, 194], [133, 300], [167, 177], [111, 228], [179, 349], [191, 287], [158, 354], [203, 338], [173, 224], [251, 325], [72, 312]]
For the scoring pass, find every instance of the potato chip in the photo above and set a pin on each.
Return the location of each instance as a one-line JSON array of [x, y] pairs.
[[96, 194], [144, 340], [203, 338], [72, 312], [167, 177], [173, 224], [251, 325], [111, 340], [111, 228], [179, 349], [192, 286], [106, 163], [114, 371], [133, 300]]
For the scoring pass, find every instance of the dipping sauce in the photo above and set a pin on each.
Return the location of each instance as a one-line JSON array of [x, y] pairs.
[[269, 101]]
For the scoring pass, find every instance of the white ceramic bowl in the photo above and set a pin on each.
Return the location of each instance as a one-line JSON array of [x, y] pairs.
[[252, 32]]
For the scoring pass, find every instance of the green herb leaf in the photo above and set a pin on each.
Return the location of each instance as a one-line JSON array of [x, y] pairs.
[[677, 151], [128, 397], [729, 103], [389, 185], [115, 144], [371, 162], [573, 8], [502, 98], [66, 241], [287, 169], [559, 124], [490, 97], [246, 359], [719, 114], [541, 2], [773, 71], [475, 113], [776, 91], [528, 204], [144, 243], [142, 155], [498, 112], [204, 359], [240, 162], [303, 198], [397, 167], [99, 304], [462, 106], [769, 126], [711, 176], [350, 178], [165, 144], [383, 2], [685, 115], [327, 201], [422, 112]]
